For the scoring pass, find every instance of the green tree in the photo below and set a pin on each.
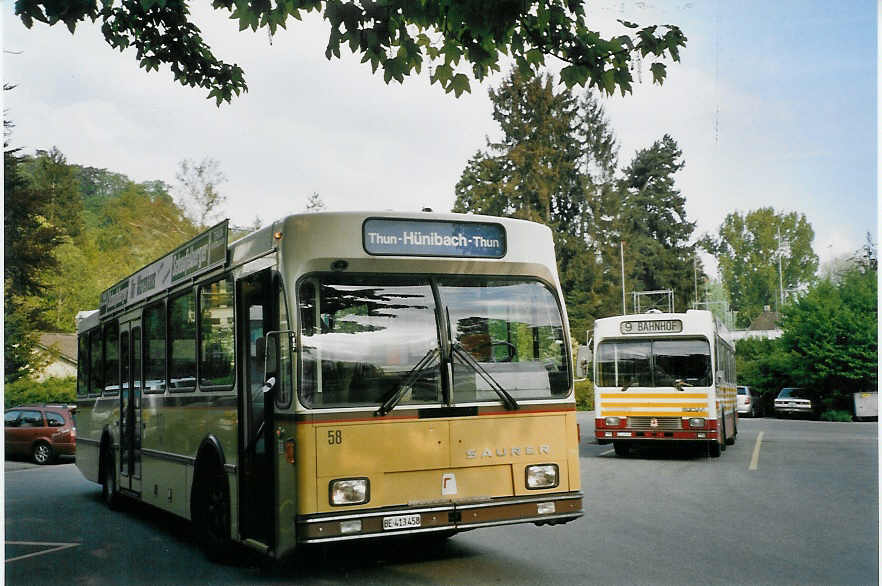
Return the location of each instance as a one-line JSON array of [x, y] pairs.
[[398, 36], [49, 173], [98, 185], [29, 240], [138, 227], [130, 229], [832, 333], [652, 222], [554, 156], [766, 366], [747, 248]]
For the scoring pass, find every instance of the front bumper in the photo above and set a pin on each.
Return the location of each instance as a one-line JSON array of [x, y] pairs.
[[794, 410], [609, 435], [551, 509]]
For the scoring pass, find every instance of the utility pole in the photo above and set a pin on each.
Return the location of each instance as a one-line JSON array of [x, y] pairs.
[[780, 274], [695, 275], [622, 256]]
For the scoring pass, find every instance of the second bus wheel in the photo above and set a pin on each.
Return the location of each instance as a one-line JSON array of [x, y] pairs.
[[212, 513], [622, 448]]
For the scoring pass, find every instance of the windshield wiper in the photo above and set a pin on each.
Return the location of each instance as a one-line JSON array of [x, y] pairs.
[[680, 383], [464, 355], [628, 385], [396, 395]]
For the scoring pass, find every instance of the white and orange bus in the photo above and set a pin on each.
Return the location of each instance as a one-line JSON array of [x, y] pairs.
[[337, 376], [664, 377]]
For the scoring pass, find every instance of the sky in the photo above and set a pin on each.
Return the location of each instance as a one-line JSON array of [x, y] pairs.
[[773, 104]]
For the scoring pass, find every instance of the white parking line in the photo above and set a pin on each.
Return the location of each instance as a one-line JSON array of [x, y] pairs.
[[607, 453], [754, 460], [52, 547]]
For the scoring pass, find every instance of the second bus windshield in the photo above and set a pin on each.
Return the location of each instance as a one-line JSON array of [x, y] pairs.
[[654, 363], [363, 337]]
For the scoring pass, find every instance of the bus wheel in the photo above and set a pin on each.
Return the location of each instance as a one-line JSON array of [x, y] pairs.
[[723, 439], [622, 448], [731, 440], [713, 449], [212, 508], [109, 494]]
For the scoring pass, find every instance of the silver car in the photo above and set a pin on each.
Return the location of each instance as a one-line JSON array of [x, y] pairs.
[[749, 403], [795, 401]]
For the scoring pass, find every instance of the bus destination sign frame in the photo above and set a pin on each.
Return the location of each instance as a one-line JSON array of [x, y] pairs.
[[414, 237], [651, 326]]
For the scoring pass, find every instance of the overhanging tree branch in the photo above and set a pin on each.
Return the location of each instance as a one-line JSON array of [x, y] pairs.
[[391, 35]]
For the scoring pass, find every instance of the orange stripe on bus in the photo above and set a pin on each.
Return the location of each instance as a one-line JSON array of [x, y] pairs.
[[653, 414]]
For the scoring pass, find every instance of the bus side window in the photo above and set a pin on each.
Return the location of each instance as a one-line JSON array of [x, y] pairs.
[[154, 348], [96, 368], [111, 359], [182, 342], [216, 337], [83, 364]]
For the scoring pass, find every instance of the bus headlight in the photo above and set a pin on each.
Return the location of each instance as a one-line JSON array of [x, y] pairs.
[[697, 422], [349, 491], [612, 421], [542, 476]]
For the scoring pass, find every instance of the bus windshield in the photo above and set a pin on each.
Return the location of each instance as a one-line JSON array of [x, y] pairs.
[[512, 328], [364, 337], [656, 363]]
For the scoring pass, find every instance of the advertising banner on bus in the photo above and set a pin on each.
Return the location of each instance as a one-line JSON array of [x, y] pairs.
[[201, 254]]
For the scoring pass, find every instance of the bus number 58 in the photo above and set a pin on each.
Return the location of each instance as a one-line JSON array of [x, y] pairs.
[[335, 437]]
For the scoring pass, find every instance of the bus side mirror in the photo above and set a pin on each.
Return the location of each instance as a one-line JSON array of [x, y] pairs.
[[721, 375]]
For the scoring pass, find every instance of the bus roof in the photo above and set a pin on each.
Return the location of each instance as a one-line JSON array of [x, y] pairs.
[[415, 242], [388, 241]]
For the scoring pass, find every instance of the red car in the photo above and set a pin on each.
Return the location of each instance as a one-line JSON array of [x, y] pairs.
[[42, 432]]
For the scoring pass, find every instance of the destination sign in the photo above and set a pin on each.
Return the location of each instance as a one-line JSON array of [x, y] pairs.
[[386, 236], [655, 326], [203, 253]]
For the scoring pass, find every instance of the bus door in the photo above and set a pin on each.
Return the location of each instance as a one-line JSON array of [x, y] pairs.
[[256, 480], [130, 405]]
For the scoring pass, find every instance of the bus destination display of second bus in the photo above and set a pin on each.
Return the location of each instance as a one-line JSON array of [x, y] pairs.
[[656, 326]]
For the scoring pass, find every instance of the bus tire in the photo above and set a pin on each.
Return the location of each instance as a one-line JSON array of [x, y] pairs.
[[622, 449], [713, 449], [211, 508], [109, 492], [731, 440], [723, 439]]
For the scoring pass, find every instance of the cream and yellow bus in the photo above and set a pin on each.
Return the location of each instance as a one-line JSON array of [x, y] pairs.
[[664, 377], [336, 376]]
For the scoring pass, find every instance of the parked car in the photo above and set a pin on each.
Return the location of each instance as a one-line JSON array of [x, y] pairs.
[[796, 401], [749, 402], [42, 432]]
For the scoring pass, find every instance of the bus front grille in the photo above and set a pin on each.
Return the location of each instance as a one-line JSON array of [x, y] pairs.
[[662, 423]]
